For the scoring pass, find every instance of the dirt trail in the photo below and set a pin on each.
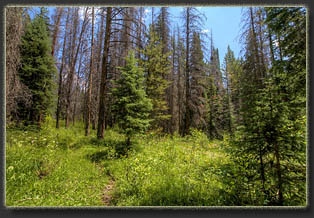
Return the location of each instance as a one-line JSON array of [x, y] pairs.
[[107, 195]]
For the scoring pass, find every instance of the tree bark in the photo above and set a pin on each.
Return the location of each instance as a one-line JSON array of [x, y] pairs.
[[257, 59], [187, 72], [101, 116], [77, 89], [61, 71], [90, 82], [56, 31], [71, 74]]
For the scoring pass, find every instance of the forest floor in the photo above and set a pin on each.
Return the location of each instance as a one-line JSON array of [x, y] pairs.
[[62, 167]]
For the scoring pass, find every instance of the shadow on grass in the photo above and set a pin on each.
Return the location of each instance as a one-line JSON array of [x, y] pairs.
[[111, 150]]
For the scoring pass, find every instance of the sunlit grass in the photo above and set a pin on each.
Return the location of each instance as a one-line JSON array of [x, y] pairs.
[[62, 167]]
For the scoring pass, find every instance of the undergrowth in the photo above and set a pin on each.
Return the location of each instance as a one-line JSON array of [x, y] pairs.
[[62, 167], [50, 167]]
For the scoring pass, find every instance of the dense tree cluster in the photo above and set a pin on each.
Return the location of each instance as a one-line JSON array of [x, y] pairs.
[[114, 69]]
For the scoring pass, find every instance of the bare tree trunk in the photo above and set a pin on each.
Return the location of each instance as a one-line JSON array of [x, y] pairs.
[[261, 41], [258, 73], [280, 50], [98, 72], [270, 44], [139, 32], [90, 83], [172, 89], [56, 30], [101, 116], [179, 86], [126, 32], [61, 71], [77, 89], [14, 89], [153, 19], [71, 74], [187, 72]]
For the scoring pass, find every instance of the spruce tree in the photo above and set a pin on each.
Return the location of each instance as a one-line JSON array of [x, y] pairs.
[[131, 106], [197, 102], [156, 66], [37, 69], [230, 69], [270, 140], [215, 94]]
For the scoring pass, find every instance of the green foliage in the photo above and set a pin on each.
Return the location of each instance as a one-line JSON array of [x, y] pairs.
[[270, 143], [131, 106], [217, 115], [62, 167], [198, 83], [37, 69], [168, 172], [156, 66], [41, 170]]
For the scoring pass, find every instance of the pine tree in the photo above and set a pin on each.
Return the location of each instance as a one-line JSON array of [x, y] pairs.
[[215, 95], [156, 66], [131, 106], [287, 96], [192, 23], [197, 103], [180, 58], [272, 130], [162, 30], [37, 68], [230, 81]]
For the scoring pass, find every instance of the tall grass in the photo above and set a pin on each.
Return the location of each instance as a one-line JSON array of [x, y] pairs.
[[51, 167], [62, 167], [168, 172]]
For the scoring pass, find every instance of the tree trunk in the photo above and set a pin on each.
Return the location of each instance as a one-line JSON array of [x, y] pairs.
[[77, 89], [101, 116], [90, 83], [98, 71], [56, 30], [172, 91], [71, 74], [187, 78], [258, 73], [61, 71], [279, 185]]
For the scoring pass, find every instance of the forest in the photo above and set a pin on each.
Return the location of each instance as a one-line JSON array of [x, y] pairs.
[[134, 106]]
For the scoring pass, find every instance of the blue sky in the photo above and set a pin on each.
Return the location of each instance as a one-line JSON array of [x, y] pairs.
[[224, 22]]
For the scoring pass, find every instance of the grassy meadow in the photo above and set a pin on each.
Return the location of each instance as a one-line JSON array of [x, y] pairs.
[[51, 167]]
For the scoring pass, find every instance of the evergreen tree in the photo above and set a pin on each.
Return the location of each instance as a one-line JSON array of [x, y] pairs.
[[197, 103], [270, 141], [131, 106], [215, 95], [193, 21], [162, 30], [181, 80], [287, 111], [156, 66], [37, 68], [230, 79]]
